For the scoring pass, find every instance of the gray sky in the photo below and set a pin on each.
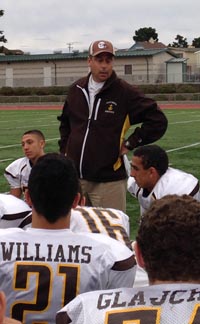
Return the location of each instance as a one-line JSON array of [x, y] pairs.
[[43, 26]]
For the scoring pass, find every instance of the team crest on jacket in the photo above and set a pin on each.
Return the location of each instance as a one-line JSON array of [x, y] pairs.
[[110, 107]]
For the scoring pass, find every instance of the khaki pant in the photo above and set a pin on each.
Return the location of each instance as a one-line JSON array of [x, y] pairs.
[[105, 194]]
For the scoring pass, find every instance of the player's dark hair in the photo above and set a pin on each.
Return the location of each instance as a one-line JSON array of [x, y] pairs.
[[169, 239], [153, 156], [35, 132], [53, 185]]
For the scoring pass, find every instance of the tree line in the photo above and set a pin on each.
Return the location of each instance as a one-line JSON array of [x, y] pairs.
[[147, 33]]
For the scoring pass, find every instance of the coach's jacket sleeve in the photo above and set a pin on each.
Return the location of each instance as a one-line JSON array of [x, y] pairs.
[[64, 128], [153, 121]]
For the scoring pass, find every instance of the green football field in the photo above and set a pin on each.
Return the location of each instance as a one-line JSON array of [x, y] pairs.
[[181, 141]]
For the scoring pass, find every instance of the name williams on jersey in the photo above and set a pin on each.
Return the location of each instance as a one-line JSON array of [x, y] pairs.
[[21, 251]]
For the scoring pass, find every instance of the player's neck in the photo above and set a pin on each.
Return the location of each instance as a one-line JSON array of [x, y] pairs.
[[38, 221], [153, 183], [34, 160]]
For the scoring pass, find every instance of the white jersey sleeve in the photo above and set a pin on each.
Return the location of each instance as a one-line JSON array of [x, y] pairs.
[[17, 173], [108, 221], [14, 212], [43, 270], [163, 304], [177, 182]]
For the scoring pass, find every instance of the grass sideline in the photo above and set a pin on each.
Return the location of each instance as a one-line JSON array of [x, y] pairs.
[[181, 141]]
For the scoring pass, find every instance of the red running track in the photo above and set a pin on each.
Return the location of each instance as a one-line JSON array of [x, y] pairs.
[[185, 105]]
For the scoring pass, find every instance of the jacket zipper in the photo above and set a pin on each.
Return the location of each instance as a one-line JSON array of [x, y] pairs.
[[97, 109], [88, 127]]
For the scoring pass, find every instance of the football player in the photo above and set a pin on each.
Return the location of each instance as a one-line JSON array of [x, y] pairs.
[[47, 265], [17, 173], [152, 178]]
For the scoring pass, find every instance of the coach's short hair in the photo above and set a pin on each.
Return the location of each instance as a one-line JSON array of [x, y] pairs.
[[53, 186], [169, 239], [153, 156]]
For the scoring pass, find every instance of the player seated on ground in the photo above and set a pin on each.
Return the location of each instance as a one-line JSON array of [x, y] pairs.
[[152, 178], [3, 319], [167, 245], [14, 212], [48, 263], [17, 173]]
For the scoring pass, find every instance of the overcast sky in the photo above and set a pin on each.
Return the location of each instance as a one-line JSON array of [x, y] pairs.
[[44, 26]]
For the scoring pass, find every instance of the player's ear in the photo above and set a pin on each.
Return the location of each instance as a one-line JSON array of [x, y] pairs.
[[28, 198], [2, 306], [42, 143], [76, 200], [154, 174], [138, 255]]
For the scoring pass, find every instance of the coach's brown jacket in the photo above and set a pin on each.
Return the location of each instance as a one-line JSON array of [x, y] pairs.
[[94, 142]]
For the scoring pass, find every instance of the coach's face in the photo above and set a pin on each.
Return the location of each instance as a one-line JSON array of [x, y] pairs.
[[101, 66], [32, 146]]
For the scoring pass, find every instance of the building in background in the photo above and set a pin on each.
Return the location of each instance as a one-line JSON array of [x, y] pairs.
[[143, 63]]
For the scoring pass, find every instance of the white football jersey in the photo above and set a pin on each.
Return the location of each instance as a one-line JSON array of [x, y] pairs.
[[161, 304], [17, 173], [14, 212], [109, 221], [173, 181], [42, 270]]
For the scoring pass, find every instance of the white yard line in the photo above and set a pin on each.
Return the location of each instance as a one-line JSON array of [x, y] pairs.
[[185, 122], [183, 147], [5, 160]]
